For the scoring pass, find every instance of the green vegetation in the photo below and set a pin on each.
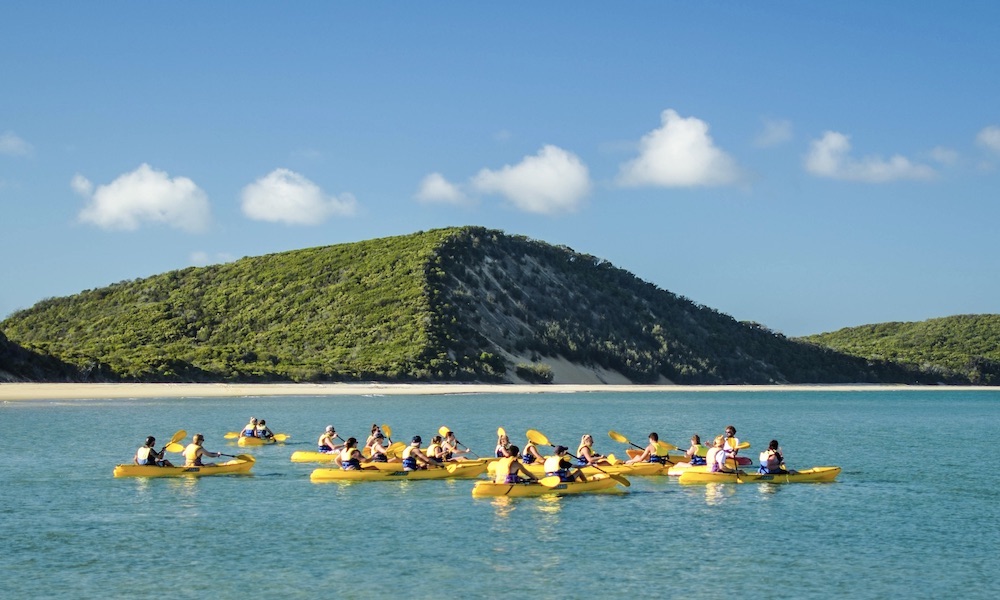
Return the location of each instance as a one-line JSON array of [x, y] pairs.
[[951, 348], [455, 304]]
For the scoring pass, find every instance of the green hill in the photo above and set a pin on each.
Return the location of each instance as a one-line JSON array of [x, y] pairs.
[[447, 305], [964, 346]]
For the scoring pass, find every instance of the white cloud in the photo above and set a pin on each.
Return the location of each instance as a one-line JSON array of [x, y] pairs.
[[144, 196], [12, 145], [435, 189], [943, 155], [989, 138], [830, 157], [775, 132], [552, 181], [284, 196], [679, 154]]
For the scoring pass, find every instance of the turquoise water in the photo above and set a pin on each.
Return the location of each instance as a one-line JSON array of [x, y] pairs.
[[914, 512]]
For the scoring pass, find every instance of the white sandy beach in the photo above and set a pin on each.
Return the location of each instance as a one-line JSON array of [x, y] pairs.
[[83, 391]]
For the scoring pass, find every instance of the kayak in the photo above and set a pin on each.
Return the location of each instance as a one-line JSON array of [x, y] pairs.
[[673, 457], [255, 441], [600, 483], [397, 474], [813, 475], [235, 466]]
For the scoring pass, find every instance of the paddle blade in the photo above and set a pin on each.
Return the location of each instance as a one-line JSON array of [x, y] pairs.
[[443, 430], [174, 447], [280, 437], [743, 445], [387, 430], [618, 437], [537, 437], [366, 452], [663, 447], [395, 448], [246, 457], [550, 481], [621, 480], [501, 431], [452, 467], [232, 435], [180, 435], [611, 459]]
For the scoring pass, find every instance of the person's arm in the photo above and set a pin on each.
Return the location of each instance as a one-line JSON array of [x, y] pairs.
[[419, 454], [529, 474]]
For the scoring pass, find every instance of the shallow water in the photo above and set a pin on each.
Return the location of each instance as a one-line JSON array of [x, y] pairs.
[[908, 515]]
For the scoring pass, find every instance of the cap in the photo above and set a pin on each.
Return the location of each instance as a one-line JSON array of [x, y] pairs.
[[416, 440], [561, 449], [330, 428], [150, 440]]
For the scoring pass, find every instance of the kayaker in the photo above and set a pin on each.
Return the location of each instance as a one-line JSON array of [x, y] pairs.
[[194, 451], [451, 448], [530, 455], [560, 464], [696, 453], [326, 443], [716, 457], [350, 456], [732, 446], [772, 462], [378, 449], [263, 431], [435, 450], [371, 436], [503, 446], [509, 468], [147, 455], [649, 452], [585, 453], [414, 458], [250, 430]]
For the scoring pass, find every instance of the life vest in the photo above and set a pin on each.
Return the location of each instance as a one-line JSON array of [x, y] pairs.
[[730, 445], [770, 460], [526, 456], [191, 456], [347, 459], [325, 443], [144, 456], [250, 431], [502, 472], [434, 450], [409, 462], [262, 431], [553, 465]]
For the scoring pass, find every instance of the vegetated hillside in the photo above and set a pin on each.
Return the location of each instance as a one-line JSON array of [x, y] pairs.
[[966, 346], [19, 364], [448, 305]]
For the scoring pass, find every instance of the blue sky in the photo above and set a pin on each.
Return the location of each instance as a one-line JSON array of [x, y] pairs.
[[808, 166]]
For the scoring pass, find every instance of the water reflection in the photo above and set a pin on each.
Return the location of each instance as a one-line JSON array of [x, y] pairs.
[[716, 493]]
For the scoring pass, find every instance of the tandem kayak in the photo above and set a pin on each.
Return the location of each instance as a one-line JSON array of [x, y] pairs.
[[487, 489], [255, 441], [813, 475], [243, 464], [635, 470], [460, 471]]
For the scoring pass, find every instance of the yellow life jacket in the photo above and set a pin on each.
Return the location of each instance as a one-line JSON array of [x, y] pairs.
[[407, 451], [503, 469], [347, 453], [553, 464], [191, 456], [433, 450], [579, 451]]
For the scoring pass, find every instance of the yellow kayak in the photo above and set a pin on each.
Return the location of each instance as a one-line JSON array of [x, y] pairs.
[[255, 441], [635, 470], [814, 475], [242, 464], [460, 471], [600, 483]]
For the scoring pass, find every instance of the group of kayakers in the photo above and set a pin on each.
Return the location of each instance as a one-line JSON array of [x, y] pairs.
[[257, 428], [719, 456]]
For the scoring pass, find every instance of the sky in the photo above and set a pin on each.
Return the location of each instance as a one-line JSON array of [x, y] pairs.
[[807, 166]]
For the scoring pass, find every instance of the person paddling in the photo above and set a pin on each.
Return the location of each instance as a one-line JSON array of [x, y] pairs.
[[379, 451], [716, 457], [350, 456], [450, 446], [250, 430], [509, 469], [435, 449], [649, 452], [326, 442], [148, 456], [697, 452], [560, 464], [586, 455], [732, 445], [194, 452], [414, 458], [772, 462], [263, 431], [503, 446], [530, 454]]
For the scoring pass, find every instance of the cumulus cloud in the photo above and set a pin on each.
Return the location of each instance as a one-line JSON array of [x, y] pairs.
[[435, 189], [830, 157], [552, 181], [775, 132], [679, 154], [943, 155], [284, 196], [144, 196], [989, 138], [12, 145]]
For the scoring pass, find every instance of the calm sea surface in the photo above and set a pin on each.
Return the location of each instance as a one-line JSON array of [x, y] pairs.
[[915, 513]]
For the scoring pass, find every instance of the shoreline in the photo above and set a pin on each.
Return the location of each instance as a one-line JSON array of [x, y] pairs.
[[12, 392]]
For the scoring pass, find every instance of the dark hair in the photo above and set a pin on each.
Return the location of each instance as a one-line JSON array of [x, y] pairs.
[[150, 440], [696, 439], [654, 437], [416, 439], [728, 427], [514, 450], [773, 445]]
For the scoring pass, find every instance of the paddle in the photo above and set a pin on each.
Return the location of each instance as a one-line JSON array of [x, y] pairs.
[[443, 431], [501, 431], [395, 448], [280, 437], [174, 447], [232, 435], [387, 431], [622, 439], [243, 457], [539, 438], [551, 481], [660, 446], [178, 436]]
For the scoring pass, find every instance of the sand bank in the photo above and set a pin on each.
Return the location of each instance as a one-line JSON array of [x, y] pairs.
[[82, 391]]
